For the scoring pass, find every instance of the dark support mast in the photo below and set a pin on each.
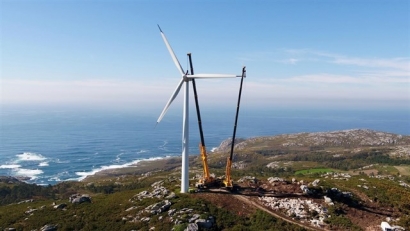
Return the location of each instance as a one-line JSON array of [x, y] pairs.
[[228, 181], [198, 113], [206, 179], [237, 113]]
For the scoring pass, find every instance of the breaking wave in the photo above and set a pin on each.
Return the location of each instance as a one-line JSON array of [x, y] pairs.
[[84, 174], [31, 173], [9, 166], [30, 156]]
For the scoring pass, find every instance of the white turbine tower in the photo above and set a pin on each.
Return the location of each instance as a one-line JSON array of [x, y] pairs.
[[185, 120]]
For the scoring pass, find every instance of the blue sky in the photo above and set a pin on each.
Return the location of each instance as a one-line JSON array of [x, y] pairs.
[[347, 54]]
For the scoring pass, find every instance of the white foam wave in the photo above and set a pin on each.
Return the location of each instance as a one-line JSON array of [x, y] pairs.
[[32, 173], [84, 174], [43, 164], [58, 176], [58, 161], [162, 147], [118, 157], [9, 166], [30, 156], [55, 178], [142, 151]]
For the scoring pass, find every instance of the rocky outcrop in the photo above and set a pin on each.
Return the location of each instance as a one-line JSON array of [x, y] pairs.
[[12, 180], [192, 227], [49, 228], [60, 206], [158, 191], [158, 207], [225, 146], [78, 199], [297, 208], [343, 138]]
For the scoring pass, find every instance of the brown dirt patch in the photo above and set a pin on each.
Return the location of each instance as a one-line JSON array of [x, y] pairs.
[[227, 201]]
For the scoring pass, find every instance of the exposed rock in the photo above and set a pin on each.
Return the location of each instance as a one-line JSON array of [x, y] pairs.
[[274, 164], [158, 207], [131, 208], [204, 223], [13, 180], [30, 211], [10, 229], [194, 218], [351, 138], [305, 189], [275, 179], [239, 165], [171, 196], [327, 199], [145, 219], [25, 201], [171, 212], [401, 151], [60, 206], [49, 228], [225, 146], [192, 227], [251, 179], [158, 192], [316, 182], [297, 208], [77, 198], [157, 184]]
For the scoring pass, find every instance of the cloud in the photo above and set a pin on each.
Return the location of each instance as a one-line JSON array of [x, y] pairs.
[[400, 63], [326, 77], [395, 63], [366, 79], [86, 91], [121, 93], [289, 61]]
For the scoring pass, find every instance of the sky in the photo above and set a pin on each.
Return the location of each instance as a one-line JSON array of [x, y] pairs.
[[298, 54]]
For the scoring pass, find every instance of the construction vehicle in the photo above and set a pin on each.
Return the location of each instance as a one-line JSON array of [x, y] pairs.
[[228, 181], [206, 180]]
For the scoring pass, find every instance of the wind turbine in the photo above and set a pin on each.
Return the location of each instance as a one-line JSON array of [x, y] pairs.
[[185, 118]]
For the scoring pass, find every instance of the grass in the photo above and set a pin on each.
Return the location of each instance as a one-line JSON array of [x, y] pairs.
[[387, 170], [314, 170], [404, 170]]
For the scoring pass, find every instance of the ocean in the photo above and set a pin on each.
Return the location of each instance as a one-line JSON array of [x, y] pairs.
[[48, 146]]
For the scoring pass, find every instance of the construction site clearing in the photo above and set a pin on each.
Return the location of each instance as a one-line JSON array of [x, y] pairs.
[[294, 202]]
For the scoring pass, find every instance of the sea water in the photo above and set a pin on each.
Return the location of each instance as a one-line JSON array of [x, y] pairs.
[[51, 145]]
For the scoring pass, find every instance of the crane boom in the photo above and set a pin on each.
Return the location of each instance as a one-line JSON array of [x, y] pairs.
[[206, 179], [228, 181]]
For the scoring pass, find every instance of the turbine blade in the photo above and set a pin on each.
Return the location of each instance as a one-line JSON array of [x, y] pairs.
[[171, 52], [204, 76], [173, 96]]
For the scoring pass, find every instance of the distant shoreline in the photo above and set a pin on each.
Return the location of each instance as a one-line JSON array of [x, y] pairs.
[[139, 168]]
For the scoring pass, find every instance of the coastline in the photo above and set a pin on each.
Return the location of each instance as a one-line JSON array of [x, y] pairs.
[[140, 168]]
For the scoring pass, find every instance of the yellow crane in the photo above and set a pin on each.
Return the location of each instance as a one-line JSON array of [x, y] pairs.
[[206, 180], [228, 181]]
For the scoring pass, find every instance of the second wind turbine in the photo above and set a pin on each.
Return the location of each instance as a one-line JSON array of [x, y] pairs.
[[185, 120]]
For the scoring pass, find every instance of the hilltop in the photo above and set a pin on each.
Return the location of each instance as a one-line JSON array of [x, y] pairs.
[[350, 179], [345, 138]]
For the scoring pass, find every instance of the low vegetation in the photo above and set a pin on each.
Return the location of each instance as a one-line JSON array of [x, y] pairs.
[[369, 173]]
